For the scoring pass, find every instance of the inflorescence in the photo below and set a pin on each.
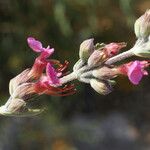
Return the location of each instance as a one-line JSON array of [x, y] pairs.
[[97, 66]]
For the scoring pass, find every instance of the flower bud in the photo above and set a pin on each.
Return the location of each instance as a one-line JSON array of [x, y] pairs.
[[142, 50], [104, 73], [142, 25], [112, 49], [86, 49], [19, 79], [96, 58], [102, 87]]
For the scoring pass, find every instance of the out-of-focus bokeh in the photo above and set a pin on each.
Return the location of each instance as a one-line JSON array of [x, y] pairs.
[[86, 120]]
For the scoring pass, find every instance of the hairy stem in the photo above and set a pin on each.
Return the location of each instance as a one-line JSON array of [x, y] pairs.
[[120, 57], [85, 68], [68, 78]]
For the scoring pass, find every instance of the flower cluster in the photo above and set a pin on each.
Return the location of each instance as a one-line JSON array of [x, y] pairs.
[[97, 66], [97, 62], [42, 78], [49, 82], [99, 73]]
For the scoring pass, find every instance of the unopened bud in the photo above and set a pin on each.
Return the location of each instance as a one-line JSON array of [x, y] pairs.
[[142, 25], [102, 87], [142, 50], [19, 79], [96, 58], [86, 49], [104, 73]]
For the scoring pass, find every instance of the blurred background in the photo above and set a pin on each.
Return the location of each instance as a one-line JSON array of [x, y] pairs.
[[85, 120]]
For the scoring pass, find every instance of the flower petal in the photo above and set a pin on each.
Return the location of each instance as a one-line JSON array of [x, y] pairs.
[[51, 74], [135, 72], [35, 45]]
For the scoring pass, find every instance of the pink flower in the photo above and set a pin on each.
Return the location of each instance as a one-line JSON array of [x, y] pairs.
[[51, 77], [41, 61], [47, 83], [50, 83], [134, 70]]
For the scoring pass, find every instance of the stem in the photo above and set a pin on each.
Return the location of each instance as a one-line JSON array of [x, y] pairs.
[[68, 78], [87, 74], [85, 68], [120, 57]]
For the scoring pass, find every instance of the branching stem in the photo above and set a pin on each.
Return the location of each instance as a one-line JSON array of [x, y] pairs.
[[74, 75]]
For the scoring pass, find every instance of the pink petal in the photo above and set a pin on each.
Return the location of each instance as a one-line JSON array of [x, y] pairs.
[[51, 74], [47, 52], [135, 72], [35, 45]]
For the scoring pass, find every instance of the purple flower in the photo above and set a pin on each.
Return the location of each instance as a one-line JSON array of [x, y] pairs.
[[52, 75], [134, 70], [50, 84], [41, 61]]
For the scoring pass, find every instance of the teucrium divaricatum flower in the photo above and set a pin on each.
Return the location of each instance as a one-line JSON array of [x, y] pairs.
[[97, 66]]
